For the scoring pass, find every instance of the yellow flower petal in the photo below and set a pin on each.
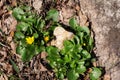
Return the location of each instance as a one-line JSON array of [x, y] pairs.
[[30, 40], [46, 38]]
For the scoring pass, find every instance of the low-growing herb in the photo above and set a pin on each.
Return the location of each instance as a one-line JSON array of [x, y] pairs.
[[33, 32], [75, 58]]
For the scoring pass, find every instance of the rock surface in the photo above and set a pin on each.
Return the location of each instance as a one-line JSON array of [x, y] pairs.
[[105, 18]]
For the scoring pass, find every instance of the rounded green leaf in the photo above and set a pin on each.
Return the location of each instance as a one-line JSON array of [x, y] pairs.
[[73, 23], [78, 48], [95, 74], [85, 54], [30, 52], [72, 64], [53, 53], [35, 35], [17, 13], [83, 29], [72, 75], [68, 46], [80, 62], [19, 35], [81, 69], [61, 76], [53, 14], [67, 58], [20, 50], [22, 26]]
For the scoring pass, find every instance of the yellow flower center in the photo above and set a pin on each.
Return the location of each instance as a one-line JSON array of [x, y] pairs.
[[30, 40], [46, 38]]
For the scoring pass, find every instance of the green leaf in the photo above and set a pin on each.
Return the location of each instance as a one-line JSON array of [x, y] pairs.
[[23, 43], [61, 75], [35, 35], [81, 35], [81, 69], [73, 23], [67, 58], [14, 66], [27, 8], [68, 46], [72, 75], [39, 49], [22, 26], [28, 20], [95, 74], [85, 54], [19, 35], [52, 52], [52, 63], [93, 60], [75, 55], [20, 50], [42, 24], [80, 62], [90, 44], [90, 41], [53, 14], [30, 52], [72, 64], [78, 48], [37, 22], [83, 29], [17, 13], [77, 39]]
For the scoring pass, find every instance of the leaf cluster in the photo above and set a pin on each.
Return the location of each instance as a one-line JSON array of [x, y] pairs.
[[32, 25], [75, 58], [72, 61]]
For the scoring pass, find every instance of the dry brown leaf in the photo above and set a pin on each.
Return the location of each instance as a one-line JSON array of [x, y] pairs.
[[42, 68], [13, 3], [7, 67], [43, 55], [13, 47], [3, 54], [12, 33], [13, 25], [3, 77]]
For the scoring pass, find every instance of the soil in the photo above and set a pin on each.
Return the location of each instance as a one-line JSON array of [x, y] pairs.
[[102, 16]]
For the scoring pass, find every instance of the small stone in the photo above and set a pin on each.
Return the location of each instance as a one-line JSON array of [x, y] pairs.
[[37, 4], [61, 34]]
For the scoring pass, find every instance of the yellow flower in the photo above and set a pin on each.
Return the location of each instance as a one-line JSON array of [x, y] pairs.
[[84, 44], [46, 38], [30, 40]]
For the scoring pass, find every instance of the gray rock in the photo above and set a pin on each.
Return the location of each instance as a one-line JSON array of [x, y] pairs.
[[105, 18]]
